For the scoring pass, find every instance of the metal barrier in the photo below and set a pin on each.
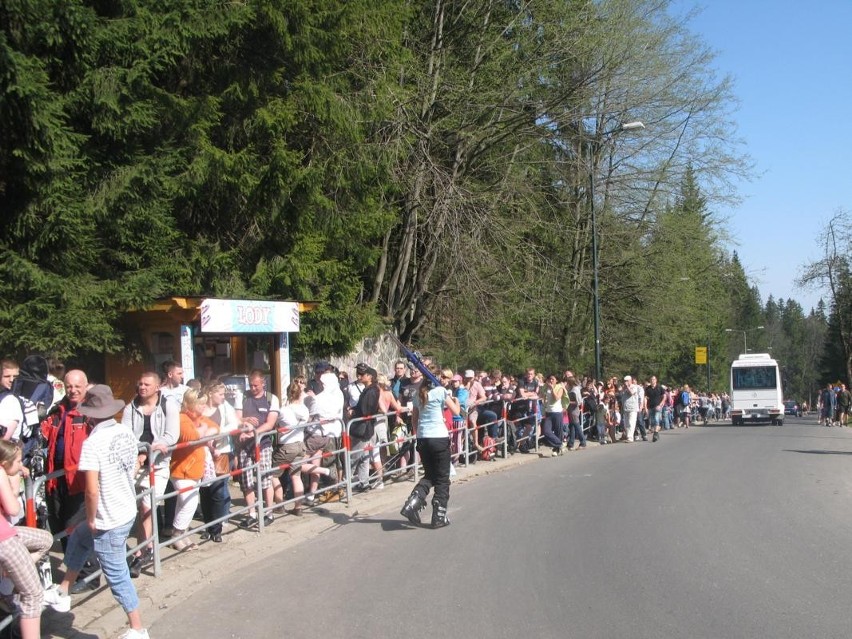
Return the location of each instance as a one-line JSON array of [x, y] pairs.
[[317, 455], [473, 428], [532, 436], [379, 446], [344, 451]]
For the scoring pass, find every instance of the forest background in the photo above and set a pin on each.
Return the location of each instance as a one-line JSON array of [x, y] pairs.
[[430, 168]]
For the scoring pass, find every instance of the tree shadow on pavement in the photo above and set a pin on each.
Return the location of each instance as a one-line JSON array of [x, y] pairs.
[[820, 452]]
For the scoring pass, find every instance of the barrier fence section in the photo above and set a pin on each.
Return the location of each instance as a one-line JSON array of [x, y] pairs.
[[399, 450]]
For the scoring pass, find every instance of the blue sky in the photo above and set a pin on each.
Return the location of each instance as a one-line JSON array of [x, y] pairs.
[[791, 62]]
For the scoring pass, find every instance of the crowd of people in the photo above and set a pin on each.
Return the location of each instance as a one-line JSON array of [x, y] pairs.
[[194, 438], [834, 403]]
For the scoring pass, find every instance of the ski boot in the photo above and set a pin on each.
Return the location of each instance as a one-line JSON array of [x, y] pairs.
[[412, 507]]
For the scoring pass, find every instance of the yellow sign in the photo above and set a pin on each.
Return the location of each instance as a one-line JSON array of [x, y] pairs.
[[700, 354]]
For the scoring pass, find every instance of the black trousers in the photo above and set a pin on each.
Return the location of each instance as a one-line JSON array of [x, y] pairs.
[[435, 458], [61, 507]]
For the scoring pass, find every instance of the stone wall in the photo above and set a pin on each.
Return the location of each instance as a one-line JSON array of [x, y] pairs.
[[378, 352]]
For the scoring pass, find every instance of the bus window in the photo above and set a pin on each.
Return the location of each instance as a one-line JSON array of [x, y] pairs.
[[754, 378]]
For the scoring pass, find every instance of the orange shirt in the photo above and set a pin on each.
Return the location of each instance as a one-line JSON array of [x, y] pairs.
[[188, 463]]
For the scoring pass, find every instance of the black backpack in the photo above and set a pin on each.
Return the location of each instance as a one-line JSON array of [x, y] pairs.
[[32, 384]]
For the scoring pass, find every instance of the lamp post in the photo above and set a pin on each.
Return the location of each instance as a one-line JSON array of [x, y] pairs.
[[629, 126], [744, 332]]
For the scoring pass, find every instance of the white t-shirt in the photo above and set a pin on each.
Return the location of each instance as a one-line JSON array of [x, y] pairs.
[[329, 405], [175, 393], [292, 416], [111, 450], [11, 414]]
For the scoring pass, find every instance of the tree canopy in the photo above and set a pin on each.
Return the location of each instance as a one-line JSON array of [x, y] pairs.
[[426, 167]]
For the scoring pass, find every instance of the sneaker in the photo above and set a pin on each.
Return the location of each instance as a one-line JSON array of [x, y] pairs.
[[379, 485], [56, 599], [135, 634], [310, 500], [268, 520]]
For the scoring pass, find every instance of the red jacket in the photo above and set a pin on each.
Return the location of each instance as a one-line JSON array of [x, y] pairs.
[[77, 429]]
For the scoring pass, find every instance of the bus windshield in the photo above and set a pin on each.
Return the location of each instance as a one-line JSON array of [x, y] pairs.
[[754, 378]]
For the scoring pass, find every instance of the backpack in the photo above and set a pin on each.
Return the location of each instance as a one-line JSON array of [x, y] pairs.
[[684, 398], [35, 390], [489, 448]]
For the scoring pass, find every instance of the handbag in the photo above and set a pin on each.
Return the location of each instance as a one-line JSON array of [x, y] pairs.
[[222, 464]]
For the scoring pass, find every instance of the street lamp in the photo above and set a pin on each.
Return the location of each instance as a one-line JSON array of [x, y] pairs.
[[629, 126], [744, 332]]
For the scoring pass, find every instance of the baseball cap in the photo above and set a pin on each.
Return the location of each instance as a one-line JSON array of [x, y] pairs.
[[469, 373], [458, 378], [361, 368]]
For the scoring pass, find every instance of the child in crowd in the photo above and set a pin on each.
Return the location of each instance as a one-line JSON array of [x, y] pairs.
[[20, 546]]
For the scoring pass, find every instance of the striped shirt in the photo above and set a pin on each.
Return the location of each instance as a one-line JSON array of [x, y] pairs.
[[111, 450]]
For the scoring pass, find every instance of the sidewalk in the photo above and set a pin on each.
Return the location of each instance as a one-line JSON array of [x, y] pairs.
[[96, 615]]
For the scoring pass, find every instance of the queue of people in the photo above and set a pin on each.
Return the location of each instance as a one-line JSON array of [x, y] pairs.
[[194, 438]]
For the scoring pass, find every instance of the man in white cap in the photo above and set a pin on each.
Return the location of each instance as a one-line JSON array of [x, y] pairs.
[[629, 407], [109, 460]]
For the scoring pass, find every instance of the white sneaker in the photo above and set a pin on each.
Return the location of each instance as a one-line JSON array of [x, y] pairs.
[[54, 598], [135, 634], [379, 486]]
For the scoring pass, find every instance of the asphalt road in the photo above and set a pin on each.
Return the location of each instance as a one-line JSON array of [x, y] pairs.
[[714, 532]]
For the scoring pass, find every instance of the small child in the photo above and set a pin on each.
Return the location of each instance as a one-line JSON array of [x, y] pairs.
[[21, 546]]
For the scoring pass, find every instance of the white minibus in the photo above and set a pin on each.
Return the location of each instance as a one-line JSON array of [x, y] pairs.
[[756, 393]]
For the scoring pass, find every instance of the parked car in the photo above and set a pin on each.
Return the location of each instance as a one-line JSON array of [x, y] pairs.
[[791, 407]]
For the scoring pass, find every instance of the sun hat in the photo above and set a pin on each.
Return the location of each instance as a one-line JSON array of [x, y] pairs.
[[99, 403]]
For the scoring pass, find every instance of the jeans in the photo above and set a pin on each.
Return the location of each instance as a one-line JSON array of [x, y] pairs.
[[492, 420], [667, 417], [655, 417], [435, 458], [575, 428], [640, 424], [600, 423], [110, 546], [552, 429], [215, 503], [360, 462]]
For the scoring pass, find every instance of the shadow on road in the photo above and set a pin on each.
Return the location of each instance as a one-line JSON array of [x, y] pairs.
[[388, 525], [728, 425], [820, 452]]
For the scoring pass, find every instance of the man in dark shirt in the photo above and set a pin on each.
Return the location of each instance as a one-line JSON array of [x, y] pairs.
[[400, 378], [367, 406], [525, 412], [654, 399]]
